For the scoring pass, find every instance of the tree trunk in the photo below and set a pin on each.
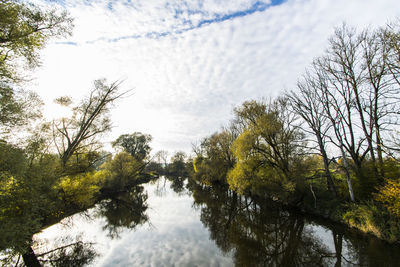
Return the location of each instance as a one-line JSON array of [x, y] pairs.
[[30, 258], [346, 169], [329, 181], [368, 136], [379, 152], [337, 240]]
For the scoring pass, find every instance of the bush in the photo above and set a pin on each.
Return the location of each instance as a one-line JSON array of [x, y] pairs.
[[371, 218], [389, 196], [82, 189], [363, 217]]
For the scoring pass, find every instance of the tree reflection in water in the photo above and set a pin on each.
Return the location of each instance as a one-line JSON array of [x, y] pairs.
[[65, 251], [123, 211], [74, 254], [263, 234], [161, 189], [177, 183]]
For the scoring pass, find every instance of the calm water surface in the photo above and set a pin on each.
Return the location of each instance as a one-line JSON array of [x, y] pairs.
[[183, 224]]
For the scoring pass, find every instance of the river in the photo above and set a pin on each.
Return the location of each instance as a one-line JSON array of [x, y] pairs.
[[181, 223]]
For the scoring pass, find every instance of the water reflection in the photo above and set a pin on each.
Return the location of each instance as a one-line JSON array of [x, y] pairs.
[[193, 225], [160, 188], [64, 251], [177, 183], [123, 211], [77, 253], [261, 234]]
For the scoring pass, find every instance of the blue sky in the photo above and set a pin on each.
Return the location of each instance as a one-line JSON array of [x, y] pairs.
[[190, 62], [180, 14]]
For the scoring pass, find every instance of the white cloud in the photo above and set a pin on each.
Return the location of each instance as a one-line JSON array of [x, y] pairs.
[[185, 84]]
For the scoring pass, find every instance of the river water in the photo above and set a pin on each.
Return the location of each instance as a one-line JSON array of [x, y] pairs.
[[181, 223]]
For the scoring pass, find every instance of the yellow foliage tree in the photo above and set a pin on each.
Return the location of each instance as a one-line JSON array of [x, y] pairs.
[[389, 196], [266, 151], [82, 189]]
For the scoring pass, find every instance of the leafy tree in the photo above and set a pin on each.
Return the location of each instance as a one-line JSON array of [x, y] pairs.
[[215, 158], [268, 151], [27, 196], [122, 171], [81, 190], [17, 109], [178, 167], [136, 144], [25, 29], [12, 159]]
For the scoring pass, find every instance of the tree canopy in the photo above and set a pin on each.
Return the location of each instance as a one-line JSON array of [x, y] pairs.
[[25, 29], [136, 144]]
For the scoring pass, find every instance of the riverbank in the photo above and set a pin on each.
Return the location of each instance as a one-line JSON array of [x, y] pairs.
[[104, 193], [213, 226], [366, 218]]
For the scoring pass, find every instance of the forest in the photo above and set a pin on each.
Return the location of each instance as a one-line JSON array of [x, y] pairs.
[[327, 147]]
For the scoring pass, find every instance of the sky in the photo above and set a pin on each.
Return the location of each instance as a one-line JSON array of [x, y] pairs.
[[190, 62]]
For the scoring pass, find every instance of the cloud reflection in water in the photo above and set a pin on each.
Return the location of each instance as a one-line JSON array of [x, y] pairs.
[[174, 236]]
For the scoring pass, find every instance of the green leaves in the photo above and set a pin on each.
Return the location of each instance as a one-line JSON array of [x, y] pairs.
[[24, 30], [266, 150], [136, 144], [215, 159], [122, 171]]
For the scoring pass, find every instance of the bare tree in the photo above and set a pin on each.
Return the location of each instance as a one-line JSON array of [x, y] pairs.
[[364, 70], [391, 34], [89, 121], [381, 102], [337, 107], [162, 157], [346, 72], [306, 103]]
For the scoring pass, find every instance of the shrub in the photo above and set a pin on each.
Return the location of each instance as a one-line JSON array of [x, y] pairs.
[[389, 196]]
